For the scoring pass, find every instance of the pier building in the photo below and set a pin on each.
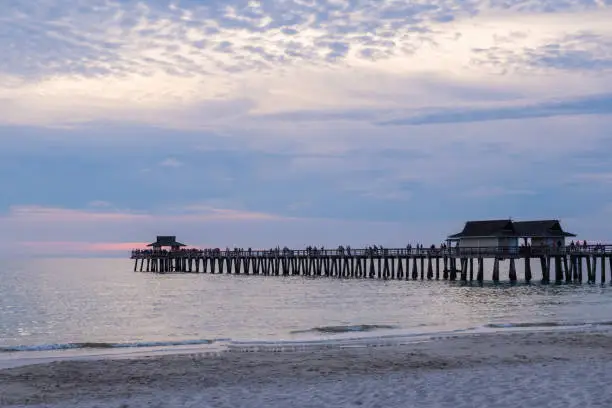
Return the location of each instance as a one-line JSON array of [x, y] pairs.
[[166, 241], [508, 233]]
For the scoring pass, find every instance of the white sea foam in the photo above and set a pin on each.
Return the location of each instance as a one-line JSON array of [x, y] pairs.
[[14, 356], [103, 345], [399, 338]]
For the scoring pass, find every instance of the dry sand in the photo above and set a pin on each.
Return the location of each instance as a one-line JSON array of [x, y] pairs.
[[559, 369]]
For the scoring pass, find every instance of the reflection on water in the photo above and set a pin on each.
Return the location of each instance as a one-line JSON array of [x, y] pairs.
[[67, 301]]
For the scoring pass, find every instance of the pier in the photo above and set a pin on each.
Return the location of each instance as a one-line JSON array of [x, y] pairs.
[[570, 265], [461, 258]]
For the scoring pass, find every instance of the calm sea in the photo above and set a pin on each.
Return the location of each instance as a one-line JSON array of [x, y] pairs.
[[73, 303]]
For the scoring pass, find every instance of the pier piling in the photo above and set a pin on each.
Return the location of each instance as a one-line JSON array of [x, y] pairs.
[[496, 270], [527, 269], [558, 270], [512, 271], [568, 271], [471, 269]]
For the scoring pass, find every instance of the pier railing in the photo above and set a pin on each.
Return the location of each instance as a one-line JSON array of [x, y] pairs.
[[456, 252]]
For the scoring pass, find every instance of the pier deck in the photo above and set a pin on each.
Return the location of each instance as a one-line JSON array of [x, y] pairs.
[[451, 263]]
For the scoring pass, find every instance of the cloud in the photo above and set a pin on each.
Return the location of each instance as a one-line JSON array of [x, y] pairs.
[[99, 204], [344, 173], [315, 119], [202, 65], [604, 178], [591, 105], [44, 231], [34, 214], [586, 105], [201, 227], [484, 192], [206, 212], [582, 51], [93, 235], [171, 162]]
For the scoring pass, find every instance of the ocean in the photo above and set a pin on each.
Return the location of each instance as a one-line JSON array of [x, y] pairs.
[[89, 304]]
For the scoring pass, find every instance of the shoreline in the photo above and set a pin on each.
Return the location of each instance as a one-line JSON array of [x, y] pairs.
[[19, 356], [243, 377]]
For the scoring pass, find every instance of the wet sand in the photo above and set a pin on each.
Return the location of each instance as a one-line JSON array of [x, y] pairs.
[[531, 369]]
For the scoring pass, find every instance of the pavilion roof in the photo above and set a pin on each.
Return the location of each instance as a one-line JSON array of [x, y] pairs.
[[509, 228], [541, 229], [486, 228], [166, 241]]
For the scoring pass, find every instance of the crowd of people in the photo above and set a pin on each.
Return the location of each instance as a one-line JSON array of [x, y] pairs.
[[285, 251], [372, 250]]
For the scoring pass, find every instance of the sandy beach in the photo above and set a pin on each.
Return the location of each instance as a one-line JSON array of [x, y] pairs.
[[536, 369]]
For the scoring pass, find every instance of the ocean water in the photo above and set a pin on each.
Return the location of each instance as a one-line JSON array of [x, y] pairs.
[[54, 304]]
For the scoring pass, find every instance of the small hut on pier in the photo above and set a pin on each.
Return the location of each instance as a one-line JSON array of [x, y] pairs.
[[506, 234], [166, 241]]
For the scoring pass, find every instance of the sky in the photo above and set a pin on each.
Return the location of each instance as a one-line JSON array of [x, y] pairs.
[[299, 122]]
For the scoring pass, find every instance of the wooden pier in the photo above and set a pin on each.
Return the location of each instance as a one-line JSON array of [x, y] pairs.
[[569, 264]]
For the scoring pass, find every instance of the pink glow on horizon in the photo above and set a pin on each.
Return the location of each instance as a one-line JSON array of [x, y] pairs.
[[70, 246], [85, 248], [38, 214]]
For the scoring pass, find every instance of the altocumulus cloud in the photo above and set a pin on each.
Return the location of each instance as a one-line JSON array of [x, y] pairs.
[[365, 111], [173, 57]]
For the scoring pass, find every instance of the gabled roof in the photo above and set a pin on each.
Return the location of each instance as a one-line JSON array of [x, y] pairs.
[[509, 228], [166, 241], [540, 229], [488, 228]]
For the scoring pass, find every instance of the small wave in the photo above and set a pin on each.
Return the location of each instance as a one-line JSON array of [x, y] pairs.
[[103, 345], [545, 324], [531, 324], [345, 329], [383, 340]]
